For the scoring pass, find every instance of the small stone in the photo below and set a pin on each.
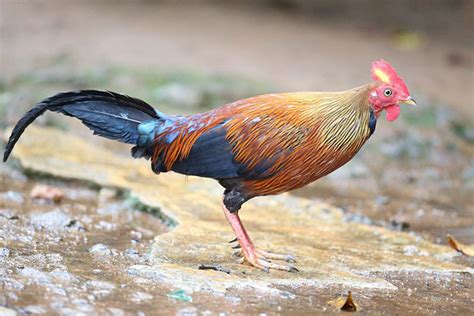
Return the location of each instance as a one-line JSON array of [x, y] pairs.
[[100, 289], [86, 219], [419, 212], [382, 200], [11, 284], [34, 309], [34, 275], [47, 192], [63, 277], [188, 311], [410, 250], [7, 213], [234, 299], [71, 312], [107, 195], [132, 254], [54, 258], [12, 196], [106, 225], [136, 235], [110, 208], [24, 239], [81, 194], [101, 285], [141, 296], [56, 219], [4, 253], [12, 296], [116, 311], [100, 250], [83, 305], [4, 311]]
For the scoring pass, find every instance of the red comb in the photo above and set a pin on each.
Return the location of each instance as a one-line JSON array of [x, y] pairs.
[[382, 71]]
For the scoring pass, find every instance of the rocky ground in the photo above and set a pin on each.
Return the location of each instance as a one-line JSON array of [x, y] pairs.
[[94, 251]]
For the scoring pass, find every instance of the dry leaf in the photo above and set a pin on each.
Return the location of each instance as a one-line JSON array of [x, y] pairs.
[[47, 192], [344, 304], [463, 249], [349, 305]]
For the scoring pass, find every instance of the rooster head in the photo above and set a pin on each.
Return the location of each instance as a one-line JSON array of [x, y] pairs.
[[389, 91]]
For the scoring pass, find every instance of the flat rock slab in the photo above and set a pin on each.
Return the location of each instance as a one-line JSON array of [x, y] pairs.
[[329, 250]]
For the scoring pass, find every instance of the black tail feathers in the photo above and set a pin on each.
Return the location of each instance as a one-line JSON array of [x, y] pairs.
[[108, 114]]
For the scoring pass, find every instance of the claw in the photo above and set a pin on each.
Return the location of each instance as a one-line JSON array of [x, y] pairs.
[[236, 246], [233, 240], [275, 256], [238, 253], [270, 265], [262, 260]]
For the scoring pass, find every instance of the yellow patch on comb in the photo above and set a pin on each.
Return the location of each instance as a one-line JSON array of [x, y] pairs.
[[381, 75]]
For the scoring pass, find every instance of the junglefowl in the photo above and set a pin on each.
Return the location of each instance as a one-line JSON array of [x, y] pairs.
[[258, 146]]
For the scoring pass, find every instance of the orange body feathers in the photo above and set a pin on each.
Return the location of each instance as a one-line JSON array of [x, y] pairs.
[[285, 140]]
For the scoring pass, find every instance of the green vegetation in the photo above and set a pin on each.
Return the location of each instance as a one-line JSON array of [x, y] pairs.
[[135, 203], [421, 117], [463, 130]]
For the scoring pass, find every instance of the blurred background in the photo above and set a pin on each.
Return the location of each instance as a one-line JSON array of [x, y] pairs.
[[414, 175], [188, 56]]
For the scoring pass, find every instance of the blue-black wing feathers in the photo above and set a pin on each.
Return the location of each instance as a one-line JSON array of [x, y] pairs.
[[211, 156]]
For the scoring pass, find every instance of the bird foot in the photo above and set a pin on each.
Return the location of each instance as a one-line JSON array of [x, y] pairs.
[[262, 260], [246, 251]]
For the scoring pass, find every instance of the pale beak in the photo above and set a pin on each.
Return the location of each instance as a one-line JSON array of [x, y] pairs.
[[409, 101]]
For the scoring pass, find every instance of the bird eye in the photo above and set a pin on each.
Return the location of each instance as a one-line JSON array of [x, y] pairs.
[[387, 92]]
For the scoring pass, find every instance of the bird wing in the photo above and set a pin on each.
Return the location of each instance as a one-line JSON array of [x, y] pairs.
[[210, 156], [248, 139]]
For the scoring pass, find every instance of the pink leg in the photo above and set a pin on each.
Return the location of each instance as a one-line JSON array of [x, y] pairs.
[[249, 253]]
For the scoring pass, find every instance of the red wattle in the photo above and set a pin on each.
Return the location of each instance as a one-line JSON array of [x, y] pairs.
[[393, 111]]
